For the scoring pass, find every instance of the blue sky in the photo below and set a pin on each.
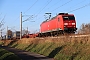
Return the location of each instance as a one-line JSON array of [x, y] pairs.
[[11, 10]]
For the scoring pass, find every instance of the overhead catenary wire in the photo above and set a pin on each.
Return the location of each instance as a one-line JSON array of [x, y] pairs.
[[43, 8], [69, 2], [54, 9], [62, 5], [28, 8], [54, 4], [75, 5], [80, 7], [28, 18], [39, 11], [31, 6], [2, 21], [26, 11]]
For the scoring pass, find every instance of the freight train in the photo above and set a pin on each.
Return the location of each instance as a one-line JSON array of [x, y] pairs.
[[60, 24]]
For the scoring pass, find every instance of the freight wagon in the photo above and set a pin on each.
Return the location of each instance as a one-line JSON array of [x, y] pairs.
[[16, 35]]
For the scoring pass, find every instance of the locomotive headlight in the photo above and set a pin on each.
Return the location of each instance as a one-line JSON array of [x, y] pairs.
[[73, 23], [65, 23]]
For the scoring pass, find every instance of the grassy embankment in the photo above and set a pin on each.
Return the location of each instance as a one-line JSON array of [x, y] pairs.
[[6, 55], [59, 48]]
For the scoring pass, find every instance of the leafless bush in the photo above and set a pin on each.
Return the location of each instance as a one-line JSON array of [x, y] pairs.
[[1, 25], [84, 29]]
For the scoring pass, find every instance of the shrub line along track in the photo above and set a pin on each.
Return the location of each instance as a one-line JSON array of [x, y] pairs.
[[24, 55]]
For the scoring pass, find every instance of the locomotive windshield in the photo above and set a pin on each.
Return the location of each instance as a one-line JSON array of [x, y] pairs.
[[68, 18]]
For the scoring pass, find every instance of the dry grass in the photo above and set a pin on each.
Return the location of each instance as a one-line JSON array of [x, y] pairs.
[[60, 40], [69, 47]]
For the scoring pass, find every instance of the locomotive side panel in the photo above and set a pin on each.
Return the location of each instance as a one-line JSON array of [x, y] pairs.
[[60, 23], [53, 24], [44, 27]]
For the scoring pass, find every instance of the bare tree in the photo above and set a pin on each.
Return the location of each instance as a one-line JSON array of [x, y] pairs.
[[84, 29], [1, 25], [2, 22]]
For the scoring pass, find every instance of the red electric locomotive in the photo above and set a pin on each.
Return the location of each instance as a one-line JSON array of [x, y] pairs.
[[62, 23]]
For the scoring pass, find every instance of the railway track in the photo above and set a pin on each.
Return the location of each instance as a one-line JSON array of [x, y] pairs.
[[80, 35], [69, 36]]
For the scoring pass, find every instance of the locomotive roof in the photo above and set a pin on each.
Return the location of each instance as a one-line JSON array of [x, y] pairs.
[[56, 16]]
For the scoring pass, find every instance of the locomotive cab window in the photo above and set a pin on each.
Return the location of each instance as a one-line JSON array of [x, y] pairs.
[[65, 18], [68, 18]]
